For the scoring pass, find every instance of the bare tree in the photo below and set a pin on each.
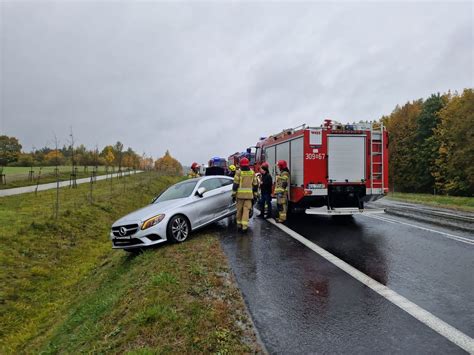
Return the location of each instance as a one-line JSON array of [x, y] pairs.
[[73, 177], [56, 147], [118, 147]]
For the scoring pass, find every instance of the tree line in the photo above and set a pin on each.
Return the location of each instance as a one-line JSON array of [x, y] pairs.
[[431, 145], [11, 154]]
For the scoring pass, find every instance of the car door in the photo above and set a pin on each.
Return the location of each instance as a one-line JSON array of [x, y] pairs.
[[225, 199], [210, 203]]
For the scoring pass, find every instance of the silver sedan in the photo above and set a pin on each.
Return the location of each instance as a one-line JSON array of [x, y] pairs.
[[182, 208]]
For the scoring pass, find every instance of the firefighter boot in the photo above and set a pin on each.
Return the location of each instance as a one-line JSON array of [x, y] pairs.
[[282, 209]]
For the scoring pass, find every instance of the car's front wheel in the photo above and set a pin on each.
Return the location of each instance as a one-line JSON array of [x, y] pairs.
[[178, 229]]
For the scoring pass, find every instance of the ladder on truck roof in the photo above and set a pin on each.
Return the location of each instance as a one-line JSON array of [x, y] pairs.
[[376, 159]]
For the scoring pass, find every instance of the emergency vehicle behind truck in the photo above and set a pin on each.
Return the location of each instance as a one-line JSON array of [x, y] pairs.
[[337, 167]]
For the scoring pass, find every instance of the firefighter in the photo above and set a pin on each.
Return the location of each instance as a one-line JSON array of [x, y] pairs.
[[281, 190], [244, 192], [194, 172], [232, 170]]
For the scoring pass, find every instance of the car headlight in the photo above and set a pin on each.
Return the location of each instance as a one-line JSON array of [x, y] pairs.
[[150, 222]]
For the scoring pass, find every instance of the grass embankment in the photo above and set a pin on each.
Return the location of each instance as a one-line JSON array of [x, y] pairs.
[[18, 176], [452, 202], [64, 290]]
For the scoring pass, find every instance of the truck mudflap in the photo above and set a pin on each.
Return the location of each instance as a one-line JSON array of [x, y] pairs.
[[343, 211]]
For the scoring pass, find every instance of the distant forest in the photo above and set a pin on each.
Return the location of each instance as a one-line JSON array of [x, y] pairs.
[[431, 145], [116, 155]]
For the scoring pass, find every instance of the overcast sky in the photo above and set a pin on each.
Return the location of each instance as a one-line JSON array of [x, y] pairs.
[[207, 79]]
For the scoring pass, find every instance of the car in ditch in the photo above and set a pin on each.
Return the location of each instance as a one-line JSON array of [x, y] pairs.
[[175, 213]]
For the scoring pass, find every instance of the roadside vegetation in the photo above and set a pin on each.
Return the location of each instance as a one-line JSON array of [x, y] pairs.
[[431, 145], [453, 202], [63, 289], [17, 176], [20, 168]]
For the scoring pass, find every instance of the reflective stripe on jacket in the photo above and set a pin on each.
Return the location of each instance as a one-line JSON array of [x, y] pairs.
[[282, 182], [192, 174], [245, 184]]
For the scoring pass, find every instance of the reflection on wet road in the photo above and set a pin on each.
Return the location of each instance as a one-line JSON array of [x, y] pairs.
[[301, 303]]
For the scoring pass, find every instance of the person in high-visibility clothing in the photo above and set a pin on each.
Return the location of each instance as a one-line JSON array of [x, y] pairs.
[[194, 172], [244, 192], [232, 170], [282, 184]]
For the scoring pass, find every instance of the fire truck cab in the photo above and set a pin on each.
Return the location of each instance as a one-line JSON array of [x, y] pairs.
[[234, 159], [334, 168]]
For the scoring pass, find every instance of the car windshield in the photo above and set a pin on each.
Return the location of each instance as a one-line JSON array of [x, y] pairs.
[[183, 189]]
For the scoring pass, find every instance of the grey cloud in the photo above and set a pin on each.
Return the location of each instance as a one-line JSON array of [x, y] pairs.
[[206, 79]]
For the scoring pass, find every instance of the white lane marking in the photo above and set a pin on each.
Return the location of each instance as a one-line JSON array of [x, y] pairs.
[[447, 235], [411, 207], [449, 332]]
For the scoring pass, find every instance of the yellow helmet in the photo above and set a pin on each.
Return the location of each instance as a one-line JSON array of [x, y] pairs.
[[232, 167]]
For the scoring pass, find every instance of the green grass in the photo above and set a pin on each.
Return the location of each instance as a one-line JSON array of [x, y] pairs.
[[64, 290], [453, 202], [19, 176]]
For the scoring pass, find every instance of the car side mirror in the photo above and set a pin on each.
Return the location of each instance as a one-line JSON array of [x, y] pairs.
[[200, 192]]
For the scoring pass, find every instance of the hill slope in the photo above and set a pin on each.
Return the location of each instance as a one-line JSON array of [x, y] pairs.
[[64, 289]]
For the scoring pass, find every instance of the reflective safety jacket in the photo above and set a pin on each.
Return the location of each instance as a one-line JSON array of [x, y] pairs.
[[245, 185], [282, 182], [192, 174]]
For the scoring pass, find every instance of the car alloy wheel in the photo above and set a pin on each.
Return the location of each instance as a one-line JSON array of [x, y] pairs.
[[179, 229]]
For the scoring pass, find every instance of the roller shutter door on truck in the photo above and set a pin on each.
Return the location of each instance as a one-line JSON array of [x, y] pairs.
[[346, 158], [297, 162]]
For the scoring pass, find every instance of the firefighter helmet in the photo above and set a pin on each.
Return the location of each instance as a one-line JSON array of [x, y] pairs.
[[244, 162], [232, 167], [282, 164], [195, 166], [265, 164]]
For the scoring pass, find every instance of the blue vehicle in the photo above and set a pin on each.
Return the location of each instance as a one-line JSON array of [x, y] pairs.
[[217, 166]]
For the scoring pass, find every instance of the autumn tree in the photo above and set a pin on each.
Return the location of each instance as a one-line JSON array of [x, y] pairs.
[[454, 169], [402, 129], [167, 165], [131, 159], [108, 154], [146, 163], [54, 158], [10, 149], [427, 145]]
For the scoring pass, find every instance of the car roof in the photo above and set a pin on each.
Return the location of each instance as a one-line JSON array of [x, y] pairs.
[[215, 176]]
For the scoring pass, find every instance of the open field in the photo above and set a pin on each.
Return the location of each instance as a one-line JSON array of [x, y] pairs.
[[65, 290], [18, 176], [453, 202]]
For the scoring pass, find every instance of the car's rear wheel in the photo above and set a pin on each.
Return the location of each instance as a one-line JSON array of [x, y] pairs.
[[178, 229]]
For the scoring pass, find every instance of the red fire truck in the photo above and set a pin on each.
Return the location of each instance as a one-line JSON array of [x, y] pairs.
[[234, 159], [334, 168]]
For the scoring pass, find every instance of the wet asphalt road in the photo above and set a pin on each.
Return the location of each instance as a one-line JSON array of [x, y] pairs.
[[301, 303]]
